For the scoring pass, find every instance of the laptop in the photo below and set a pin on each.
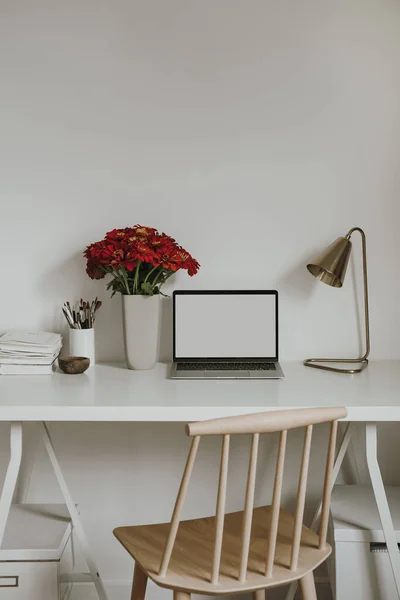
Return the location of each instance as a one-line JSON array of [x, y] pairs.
[[225, 335]]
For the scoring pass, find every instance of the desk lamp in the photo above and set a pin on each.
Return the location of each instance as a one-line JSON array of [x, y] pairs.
[[330, 268]]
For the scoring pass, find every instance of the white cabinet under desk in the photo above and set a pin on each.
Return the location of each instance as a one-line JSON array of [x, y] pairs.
[[33, 552], [112, 393], [359, 565]]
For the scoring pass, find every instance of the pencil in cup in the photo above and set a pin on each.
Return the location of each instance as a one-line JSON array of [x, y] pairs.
[[83, 316]]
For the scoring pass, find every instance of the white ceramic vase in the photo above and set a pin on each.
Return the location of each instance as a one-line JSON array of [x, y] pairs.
[[141, 319]]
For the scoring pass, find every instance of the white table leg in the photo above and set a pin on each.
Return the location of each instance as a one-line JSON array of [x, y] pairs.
[[32, 435], [381, 501], [344, 444], [78, 528], [10, 482]]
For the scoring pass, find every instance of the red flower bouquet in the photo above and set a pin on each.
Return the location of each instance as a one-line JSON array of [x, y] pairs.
[[139, 259]]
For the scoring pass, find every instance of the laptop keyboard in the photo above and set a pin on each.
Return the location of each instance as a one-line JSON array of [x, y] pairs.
[[226, 366]]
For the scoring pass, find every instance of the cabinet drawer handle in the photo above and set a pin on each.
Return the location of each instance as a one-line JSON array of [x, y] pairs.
[[9, 581]]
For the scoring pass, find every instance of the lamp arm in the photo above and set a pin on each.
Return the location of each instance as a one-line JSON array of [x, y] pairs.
[[365, 277], [313, 362]]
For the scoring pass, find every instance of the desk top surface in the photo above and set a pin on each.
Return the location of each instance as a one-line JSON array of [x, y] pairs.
[[114, 393]]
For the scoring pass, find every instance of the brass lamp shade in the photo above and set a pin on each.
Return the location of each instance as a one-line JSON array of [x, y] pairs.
[[331, 265], [330, 268]]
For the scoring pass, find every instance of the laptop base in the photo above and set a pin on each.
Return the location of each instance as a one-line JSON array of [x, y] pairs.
[[276, 373]]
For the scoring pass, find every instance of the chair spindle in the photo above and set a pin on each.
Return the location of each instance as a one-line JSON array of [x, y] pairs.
[[276, 504], [326, 495], [301, 497], [248, 508], [180, 499], [220, 512]]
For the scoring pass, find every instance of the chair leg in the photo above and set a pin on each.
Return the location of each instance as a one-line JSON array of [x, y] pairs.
[[259, 595], [139, 584], [181, 595], [307, 587]]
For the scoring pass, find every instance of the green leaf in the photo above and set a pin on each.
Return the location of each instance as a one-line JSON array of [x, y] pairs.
[[147, 288]]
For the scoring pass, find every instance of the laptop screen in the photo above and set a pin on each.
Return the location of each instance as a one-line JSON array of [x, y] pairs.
[[225, 325]]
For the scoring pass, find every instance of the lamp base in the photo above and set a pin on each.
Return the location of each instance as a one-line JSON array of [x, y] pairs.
[[314, 363]]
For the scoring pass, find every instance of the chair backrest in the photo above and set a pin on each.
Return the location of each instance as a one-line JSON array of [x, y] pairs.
[[256, 424]]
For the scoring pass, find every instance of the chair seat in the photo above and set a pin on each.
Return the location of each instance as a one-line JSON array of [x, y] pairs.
[[190, 566]]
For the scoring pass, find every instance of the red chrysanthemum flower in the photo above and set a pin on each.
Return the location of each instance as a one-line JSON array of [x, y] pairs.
[[140, 258]]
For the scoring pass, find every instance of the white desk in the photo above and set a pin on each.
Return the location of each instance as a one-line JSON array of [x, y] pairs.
[[112, 393]]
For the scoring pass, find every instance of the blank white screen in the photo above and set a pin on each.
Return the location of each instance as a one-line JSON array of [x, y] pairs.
[[225, 326]]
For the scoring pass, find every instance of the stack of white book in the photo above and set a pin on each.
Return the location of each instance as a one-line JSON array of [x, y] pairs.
[[29, 353]]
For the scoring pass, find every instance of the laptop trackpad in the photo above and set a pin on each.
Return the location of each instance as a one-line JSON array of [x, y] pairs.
[[214, 374], [191, 374]]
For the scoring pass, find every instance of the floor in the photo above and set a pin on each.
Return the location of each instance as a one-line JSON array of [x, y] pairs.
[[122, 592]]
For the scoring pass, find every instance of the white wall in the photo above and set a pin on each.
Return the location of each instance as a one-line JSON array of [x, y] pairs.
[[254, 132]]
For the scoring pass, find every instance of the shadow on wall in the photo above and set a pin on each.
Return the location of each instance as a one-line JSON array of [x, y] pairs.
[[68, 281], [296, 281], [358, 306], [166, 331]]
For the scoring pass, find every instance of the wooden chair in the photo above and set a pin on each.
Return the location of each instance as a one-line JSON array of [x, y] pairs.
[[247, 551]]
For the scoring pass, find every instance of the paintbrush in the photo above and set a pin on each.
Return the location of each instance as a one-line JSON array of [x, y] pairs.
[[82, 316], [67, 316]]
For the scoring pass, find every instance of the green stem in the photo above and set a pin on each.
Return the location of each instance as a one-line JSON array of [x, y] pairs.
[[156, 277], [166, 274], [149, 273], [166, 277], [125, 279], [109, 271], [136, 280]]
